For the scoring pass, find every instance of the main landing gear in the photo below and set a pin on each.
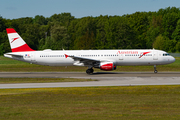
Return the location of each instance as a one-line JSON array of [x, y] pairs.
[[89, 71], [155, 71]]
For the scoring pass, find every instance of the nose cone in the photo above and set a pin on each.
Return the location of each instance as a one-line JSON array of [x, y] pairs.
[[172, 59]]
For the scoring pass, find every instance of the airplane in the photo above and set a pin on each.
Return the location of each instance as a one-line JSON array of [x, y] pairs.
[[103, 59]]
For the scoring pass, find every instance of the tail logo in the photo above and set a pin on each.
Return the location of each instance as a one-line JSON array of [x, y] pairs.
[[14, 39]]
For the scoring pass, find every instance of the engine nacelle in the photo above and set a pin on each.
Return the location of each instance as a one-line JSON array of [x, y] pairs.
[[107, 66]]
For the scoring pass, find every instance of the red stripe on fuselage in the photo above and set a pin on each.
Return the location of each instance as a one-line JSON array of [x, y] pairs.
[[144, 53], [66, 55], [22, 48]]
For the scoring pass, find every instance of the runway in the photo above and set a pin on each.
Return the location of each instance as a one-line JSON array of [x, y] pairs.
[[103, 79], [83, 74]]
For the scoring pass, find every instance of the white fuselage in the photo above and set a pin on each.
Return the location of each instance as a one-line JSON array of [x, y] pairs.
[[103, 59], [118, 57]]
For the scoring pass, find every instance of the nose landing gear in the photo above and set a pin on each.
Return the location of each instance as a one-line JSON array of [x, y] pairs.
[[155, 71]]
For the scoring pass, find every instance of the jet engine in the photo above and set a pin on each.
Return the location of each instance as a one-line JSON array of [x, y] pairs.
[[107, 66]]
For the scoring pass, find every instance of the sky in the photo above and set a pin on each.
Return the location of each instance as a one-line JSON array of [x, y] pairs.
[[13, 9]]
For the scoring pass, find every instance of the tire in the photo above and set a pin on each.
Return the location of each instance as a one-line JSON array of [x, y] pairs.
[[89, 71], [92, 70], [155, 71]]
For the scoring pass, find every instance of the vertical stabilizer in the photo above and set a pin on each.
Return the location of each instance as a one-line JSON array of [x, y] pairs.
[[16, 42]]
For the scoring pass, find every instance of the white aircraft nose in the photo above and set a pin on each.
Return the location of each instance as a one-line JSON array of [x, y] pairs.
[[172, 59]]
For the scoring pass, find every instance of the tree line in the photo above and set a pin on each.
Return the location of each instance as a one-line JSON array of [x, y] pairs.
[[140, 30]]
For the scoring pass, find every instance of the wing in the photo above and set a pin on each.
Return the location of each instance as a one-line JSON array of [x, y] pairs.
[[82, 61]]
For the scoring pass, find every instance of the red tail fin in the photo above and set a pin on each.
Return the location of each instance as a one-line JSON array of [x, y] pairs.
[[16, 42]]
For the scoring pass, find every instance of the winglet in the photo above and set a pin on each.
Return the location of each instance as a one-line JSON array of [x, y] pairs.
[[16, 42]]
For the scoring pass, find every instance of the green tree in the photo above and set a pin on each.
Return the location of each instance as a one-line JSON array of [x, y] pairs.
[[2, 49], [159, 43], [169, 23], [60, 37], [171, 45], [64, 19], [122, 34], [176, 33], [168, 10], [39, 19], [101, 24], [154, 30], [72, 32], [139, 23], [85, 28], [178, 47], [31, 35], [2, 24], [46, 43], [139, 30], [151, 35], [164, 43], [4, 42]]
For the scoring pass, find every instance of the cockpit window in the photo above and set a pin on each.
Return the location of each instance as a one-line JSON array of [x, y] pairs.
[[166, 54]]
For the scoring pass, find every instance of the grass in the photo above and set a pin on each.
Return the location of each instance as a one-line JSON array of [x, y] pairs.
[[104, 103], [9, 65], [41, 80]]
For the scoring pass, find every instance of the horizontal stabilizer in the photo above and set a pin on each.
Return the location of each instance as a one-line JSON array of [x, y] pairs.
[[11, 55]]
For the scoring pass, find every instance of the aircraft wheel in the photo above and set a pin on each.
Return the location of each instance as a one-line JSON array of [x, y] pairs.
[[92, 70], [89, 71], [155, 71]]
